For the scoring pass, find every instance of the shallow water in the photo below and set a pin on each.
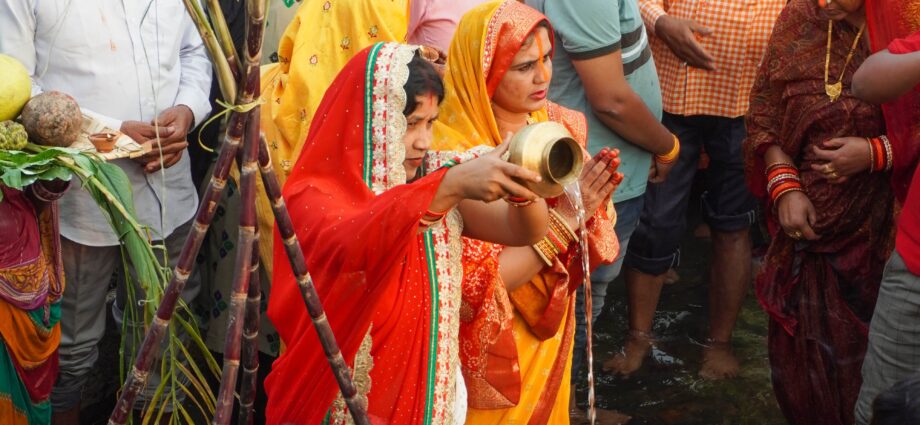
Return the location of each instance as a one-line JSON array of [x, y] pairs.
[[667, 389]]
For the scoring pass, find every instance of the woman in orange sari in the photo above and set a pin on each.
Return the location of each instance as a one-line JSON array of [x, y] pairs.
[[516, 352], [385, 255]]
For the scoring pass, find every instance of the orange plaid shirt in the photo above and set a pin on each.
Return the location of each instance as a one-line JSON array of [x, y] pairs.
[[741, 30]]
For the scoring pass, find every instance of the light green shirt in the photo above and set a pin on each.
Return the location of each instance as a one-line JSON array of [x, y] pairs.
[[590, 28]]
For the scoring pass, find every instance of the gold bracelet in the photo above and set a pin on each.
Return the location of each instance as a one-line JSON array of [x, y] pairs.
[[558, 224], [546, 251], [672, 155]]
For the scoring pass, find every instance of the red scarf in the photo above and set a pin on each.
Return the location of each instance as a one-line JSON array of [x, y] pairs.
[[363, 251]]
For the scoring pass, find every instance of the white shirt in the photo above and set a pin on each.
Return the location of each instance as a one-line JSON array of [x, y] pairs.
[[121, 60]]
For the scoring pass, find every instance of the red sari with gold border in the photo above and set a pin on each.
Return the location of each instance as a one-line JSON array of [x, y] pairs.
[[390, 292]]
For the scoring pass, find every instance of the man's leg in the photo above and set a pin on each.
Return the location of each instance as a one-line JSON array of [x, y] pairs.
[[729, 209], [894, 337], [654, 246], [87, 271]]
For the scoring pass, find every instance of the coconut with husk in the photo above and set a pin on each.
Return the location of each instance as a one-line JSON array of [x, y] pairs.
[[52, 118]]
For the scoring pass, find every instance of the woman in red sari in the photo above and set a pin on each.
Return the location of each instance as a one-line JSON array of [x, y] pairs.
[[385, 255], [831, 222], [892, 75]]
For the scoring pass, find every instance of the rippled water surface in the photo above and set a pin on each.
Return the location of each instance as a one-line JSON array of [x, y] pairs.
[[668, 390]]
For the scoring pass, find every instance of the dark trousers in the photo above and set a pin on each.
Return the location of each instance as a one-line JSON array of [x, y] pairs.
[[728, 206]]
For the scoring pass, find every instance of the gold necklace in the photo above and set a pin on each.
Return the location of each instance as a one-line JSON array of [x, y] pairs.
[[834, 90]]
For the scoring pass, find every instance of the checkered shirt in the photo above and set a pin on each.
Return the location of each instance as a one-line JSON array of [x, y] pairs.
[[741, 30]]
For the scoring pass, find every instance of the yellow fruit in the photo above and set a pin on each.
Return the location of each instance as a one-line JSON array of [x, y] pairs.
[[15, 87]]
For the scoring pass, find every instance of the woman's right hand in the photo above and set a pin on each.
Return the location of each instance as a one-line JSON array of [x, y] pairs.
[[489, 178], [599, 179], [797, 215], [838, 159]]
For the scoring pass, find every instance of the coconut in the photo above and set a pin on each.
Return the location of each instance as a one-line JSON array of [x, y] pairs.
[[52, 119], [15, 87]]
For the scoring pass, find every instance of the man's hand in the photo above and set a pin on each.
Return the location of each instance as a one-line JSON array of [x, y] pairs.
[[680, 36], [140, 131], [659, 171], [174, 124], [168, 136]]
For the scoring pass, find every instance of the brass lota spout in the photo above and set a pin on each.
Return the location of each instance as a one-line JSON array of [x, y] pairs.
[[548, 149]]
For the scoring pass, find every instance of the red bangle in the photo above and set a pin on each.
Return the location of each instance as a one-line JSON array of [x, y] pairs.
[[776, 191], [428, 213], [518, 202], [554, 238]]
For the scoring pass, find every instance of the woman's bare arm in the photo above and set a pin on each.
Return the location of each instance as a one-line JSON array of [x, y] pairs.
[[886, 76], [500, 222]]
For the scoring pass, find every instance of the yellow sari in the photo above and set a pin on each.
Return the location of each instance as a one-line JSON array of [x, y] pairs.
[[322, 38], [516, 357]]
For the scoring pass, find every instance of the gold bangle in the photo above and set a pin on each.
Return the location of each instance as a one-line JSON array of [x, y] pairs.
[[562, 228], [672, 155], [546, 251]]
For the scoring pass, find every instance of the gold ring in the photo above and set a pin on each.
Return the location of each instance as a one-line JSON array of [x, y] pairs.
[[795, 234], [829, 169], [833, 175]]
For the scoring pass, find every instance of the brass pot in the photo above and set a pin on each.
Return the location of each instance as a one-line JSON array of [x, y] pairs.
[[548, 149]]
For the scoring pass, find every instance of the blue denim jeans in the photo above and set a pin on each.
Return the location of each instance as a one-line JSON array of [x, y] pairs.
[[628, 213], [727, 204]]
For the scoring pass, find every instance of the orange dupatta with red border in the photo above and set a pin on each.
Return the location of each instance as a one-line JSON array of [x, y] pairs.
[[486, 41]]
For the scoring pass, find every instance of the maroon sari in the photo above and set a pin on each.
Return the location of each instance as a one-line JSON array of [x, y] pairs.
[[820, 295]]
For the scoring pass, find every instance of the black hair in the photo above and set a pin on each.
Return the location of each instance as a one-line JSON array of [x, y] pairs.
[[423, 79], [899, 404]]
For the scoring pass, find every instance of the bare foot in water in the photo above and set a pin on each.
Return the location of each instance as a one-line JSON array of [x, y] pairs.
[[718, 361], [629, 360]]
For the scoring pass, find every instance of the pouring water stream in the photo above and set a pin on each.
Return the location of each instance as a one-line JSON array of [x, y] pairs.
[[573, 193]]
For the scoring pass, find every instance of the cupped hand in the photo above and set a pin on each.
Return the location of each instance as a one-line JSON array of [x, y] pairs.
[[681, 37], [489, 178], [599, 179], [797, 216], [838, 159]]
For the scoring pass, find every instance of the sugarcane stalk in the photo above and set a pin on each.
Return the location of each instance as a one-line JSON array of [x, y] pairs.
[[147, 353], [226, 77], [299, 265], [223, 37], [250, 354], [238, 295]]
